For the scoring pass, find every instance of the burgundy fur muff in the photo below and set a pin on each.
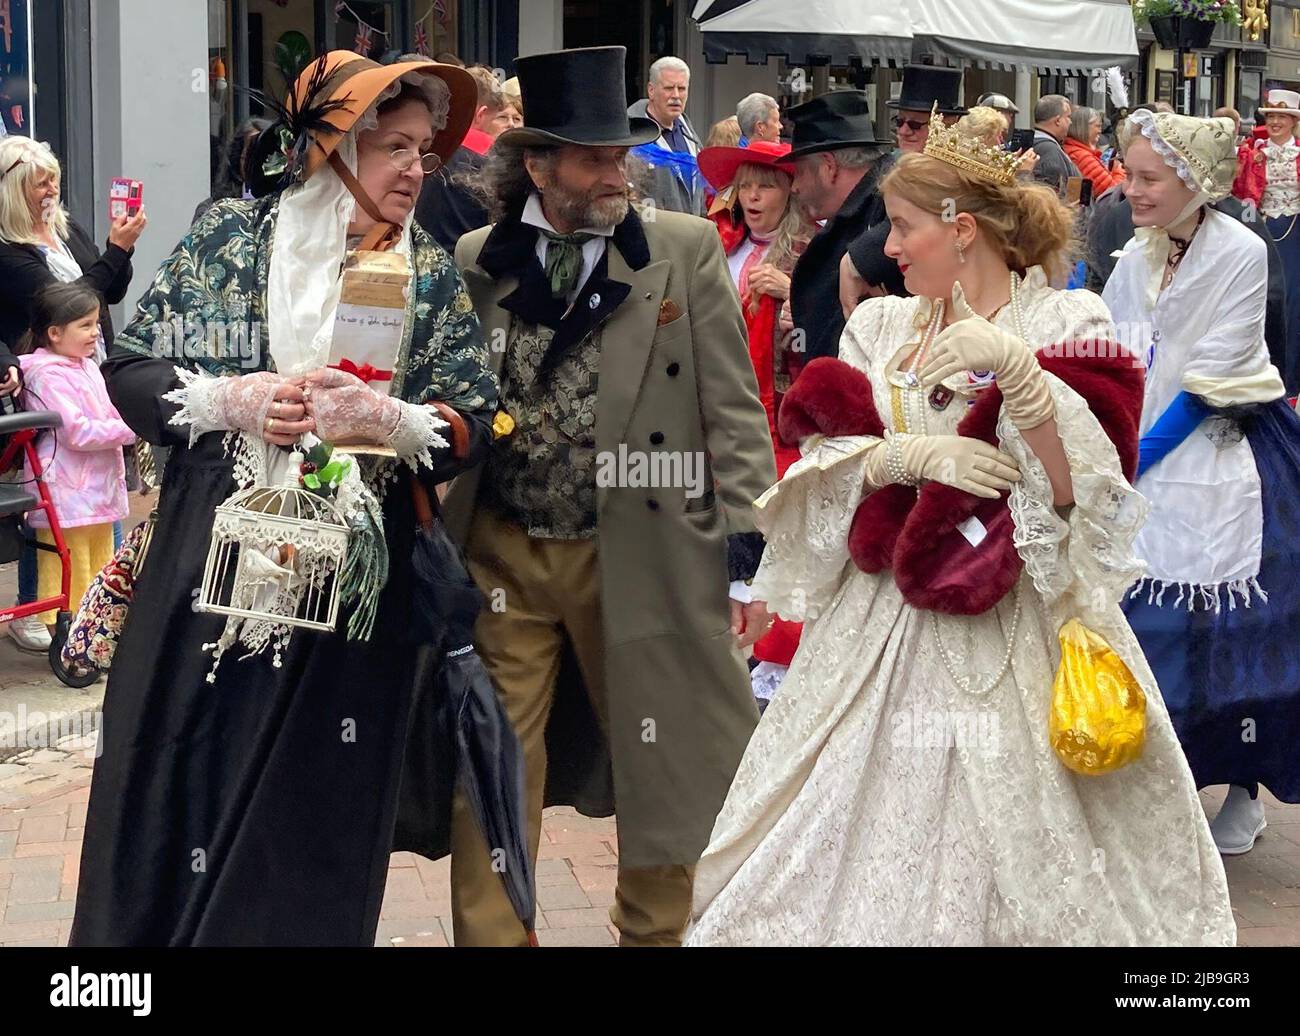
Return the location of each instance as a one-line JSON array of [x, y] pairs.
[[873, 536], [829, 397], [915, 533], [935, 566]]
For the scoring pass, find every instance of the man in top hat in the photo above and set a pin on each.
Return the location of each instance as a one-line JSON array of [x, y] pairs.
[[837, 163], [924, 88], [609, 520]]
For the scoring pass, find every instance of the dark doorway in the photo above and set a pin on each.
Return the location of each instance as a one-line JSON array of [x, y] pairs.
[[597, 23]]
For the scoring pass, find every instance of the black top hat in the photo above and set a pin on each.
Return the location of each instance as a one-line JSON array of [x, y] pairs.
[[924, 86], [835, 120], [576, 97]]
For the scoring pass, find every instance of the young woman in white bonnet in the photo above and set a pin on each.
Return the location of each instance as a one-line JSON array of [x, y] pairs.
[[248, 784], [1218, 611]]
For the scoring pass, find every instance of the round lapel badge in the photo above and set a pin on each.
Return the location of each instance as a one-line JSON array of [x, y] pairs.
[[594, 301]]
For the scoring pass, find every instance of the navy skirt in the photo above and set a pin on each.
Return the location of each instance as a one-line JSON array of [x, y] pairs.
[[1231, 678], [1285, 232]]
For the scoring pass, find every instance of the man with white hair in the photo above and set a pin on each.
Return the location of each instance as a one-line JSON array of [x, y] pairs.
[[760, 119], [672, 181]]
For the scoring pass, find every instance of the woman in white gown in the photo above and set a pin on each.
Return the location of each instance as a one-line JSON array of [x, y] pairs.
[[902, 789]]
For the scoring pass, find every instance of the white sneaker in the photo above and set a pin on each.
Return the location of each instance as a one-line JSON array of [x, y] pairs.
[[30, 634], [1239, 822]]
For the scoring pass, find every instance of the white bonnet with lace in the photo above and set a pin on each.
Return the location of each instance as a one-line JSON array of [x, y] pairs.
[[1202, 151]]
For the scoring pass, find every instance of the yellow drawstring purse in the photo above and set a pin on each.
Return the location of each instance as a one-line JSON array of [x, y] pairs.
[[1098, 720]]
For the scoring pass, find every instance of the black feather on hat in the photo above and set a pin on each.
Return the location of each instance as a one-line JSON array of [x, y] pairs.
[[279, 154]]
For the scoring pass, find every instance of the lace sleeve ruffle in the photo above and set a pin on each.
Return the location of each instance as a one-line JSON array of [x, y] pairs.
[[417, 435], [198, 397], [805, 518], [1088, 553]]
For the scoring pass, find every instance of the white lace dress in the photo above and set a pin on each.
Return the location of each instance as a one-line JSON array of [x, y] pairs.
[[879, 803]]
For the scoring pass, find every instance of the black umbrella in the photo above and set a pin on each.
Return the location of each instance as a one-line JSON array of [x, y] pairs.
[[489, 761]]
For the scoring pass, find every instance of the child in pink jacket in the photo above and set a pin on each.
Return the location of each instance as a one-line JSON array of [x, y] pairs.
[[82, 460]]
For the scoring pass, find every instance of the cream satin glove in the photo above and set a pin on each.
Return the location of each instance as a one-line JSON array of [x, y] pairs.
[[970, 465], [974, 344]]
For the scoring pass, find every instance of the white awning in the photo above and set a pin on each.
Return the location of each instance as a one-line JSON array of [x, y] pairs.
[[1054, 36], [806, 31], [1057, 36]]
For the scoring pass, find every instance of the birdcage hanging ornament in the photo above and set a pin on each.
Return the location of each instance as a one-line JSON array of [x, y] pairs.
[[275, 563]]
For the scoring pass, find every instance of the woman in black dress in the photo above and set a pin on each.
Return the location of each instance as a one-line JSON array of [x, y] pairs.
[[250, 799]]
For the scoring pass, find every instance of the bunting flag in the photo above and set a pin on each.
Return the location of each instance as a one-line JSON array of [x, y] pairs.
[[421, 40], [440, 11], [365, 40]]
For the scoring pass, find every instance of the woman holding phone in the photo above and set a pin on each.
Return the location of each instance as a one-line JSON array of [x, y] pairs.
[[40, 244]]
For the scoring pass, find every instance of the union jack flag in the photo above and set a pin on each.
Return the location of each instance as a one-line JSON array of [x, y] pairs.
[[440, 11], [365, 39], [422, 40]]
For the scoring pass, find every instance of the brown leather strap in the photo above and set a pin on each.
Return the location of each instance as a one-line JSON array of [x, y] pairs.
[[383, 235], [459, 430]]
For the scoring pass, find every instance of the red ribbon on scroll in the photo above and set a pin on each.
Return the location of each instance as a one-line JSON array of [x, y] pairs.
[[365, 372]]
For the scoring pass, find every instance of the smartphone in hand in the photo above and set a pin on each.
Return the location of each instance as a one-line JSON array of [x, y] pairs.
[[1020, 140], [125, 197]]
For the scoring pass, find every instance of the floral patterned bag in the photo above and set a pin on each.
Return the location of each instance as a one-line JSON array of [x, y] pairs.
[[93, 633]]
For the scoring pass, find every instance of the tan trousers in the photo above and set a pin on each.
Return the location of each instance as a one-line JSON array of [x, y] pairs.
[[551, 589]]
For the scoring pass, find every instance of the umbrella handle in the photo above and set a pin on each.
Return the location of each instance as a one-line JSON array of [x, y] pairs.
[[420, 497], [459, 431], [532, 938], [459, 450]]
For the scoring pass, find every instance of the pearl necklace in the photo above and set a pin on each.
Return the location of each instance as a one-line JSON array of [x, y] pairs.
[[936, 321], [962, 681], [909, 400]]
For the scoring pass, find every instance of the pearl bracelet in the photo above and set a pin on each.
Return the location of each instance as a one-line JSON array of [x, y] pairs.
[[894, 466]]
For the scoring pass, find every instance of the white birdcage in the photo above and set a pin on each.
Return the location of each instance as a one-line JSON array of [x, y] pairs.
[[276, 556]]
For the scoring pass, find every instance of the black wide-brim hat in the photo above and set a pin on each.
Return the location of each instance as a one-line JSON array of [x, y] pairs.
[[840, 119], [576, 97], [924, 86]]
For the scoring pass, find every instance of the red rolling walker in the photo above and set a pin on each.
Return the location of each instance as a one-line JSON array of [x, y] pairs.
[[21, 429]]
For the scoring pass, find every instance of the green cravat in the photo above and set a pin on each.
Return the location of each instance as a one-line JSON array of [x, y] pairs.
[[563, 260]]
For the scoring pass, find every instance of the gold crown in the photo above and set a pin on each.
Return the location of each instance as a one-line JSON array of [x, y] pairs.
[[948, 144]]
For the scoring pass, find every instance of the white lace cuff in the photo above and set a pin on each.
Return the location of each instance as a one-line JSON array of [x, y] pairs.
[[416, 435], [805, 518], [199, 399], [1089, 552]]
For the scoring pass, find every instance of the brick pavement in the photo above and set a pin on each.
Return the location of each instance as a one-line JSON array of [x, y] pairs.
[[43, 796]]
